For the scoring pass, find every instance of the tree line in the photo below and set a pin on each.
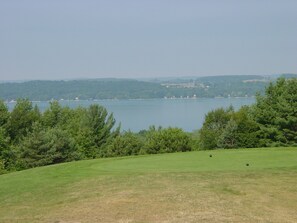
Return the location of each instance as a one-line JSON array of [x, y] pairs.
[[30, 138], [271, 121], [129, 89]]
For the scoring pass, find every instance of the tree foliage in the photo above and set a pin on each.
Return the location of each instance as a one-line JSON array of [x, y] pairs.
[[215, 122], [29, 138], [271, 121], [6, 153], [166, 140], [125, 144], [4, 114], [21, 119], [276, 112], [228, 139], [46, 146]]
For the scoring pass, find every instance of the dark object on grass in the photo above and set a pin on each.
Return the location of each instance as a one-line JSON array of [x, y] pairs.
[[210, 155], [247, 164]]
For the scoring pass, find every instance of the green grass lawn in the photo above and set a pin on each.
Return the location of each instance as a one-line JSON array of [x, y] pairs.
[[179, 187]]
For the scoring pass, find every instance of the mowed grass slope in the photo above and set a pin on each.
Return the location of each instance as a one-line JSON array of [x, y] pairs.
[[179, 187]]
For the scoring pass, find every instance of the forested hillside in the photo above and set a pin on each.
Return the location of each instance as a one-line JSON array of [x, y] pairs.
[[82, 89], [220, 86]]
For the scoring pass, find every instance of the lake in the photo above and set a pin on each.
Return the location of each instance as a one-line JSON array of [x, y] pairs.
[[136, 115]]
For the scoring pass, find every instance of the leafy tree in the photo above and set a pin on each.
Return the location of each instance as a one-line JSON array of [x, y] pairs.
[[167, 140], [92, 128], [228, 138], [126, 144], [215, 122], [5, 151], [85, 141], [22, 118], [4, 114], [7, 156], [195, 140], [2, 169], [29, 138], [55, 115], [247, 134]]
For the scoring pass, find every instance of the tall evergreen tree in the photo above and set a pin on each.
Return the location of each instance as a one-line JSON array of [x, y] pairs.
[[46, 146], [276, 112]]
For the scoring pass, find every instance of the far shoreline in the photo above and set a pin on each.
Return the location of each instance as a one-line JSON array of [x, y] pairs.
[[127, 99]]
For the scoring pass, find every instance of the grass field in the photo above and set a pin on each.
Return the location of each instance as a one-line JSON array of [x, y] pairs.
[[179, 187]]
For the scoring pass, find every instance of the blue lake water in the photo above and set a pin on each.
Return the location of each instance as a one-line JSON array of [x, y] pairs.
[[136, 115]]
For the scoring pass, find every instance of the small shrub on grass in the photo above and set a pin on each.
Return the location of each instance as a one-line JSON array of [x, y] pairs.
[[167, 140]]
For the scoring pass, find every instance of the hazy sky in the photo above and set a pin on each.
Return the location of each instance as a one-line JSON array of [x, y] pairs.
[[61, 39]]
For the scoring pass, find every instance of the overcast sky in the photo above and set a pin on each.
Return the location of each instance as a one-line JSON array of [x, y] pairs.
[[62, 39]]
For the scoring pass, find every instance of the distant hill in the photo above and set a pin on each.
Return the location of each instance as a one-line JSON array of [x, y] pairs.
[[109, 88], [81, 89], [289, 75]]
